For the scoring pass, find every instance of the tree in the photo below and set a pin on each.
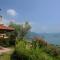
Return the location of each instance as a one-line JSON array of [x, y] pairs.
[[21, 29], [24, 29], [14, 25]]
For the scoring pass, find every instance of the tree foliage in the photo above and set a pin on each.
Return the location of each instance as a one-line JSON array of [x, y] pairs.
[[24, 29], [21, 30]]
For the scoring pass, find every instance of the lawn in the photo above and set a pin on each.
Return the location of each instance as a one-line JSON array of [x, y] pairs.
[[6, 55]]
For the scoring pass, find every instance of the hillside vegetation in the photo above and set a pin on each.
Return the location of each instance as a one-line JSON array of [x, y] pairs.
[[37, 49]]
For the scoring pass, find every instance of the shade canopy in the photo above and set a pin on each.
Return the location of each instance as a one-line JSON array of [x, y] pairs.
[[6, 28], [3, 27]]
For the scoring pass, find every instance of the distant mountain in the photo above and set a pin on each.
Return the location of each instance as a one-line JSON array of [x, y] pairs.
[[53, 38], [30, 35]]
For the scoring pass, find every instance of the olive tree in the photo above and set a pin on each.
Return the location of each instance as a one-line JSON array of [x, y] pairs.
[[21, 30], [24, 29]]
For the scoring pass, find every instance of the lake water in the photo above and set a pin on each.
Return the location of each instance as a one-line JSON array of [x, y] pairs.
[[53, 38]]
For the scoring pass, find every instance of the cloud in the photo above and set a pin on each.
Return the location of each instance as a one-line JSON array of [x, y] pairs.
[[11, 12]]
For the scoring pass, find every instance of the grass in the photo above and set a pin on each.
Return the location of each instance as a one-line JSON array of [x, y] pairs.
[[34, 53], [6, 55], [24, 50]]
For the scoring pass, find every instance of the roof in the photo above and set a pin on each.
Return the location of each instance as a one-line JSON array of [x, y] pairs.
[[2, 27]]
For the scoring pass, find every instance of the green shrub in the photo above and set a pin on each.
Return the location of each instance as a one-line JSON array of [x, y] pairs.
[[52, 50], [37, 41], [22, 52]]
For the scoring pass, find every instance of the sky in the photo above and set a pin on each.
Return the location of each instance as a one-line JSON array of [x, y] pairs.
[[43, 15]]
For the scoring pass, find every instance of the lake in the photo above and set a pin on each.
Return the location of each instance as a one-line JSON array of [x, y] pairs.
[[52, 38]]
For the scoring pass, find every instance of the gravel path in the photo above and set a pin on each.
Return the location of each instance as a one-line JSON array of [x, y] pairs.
[[4, 50]]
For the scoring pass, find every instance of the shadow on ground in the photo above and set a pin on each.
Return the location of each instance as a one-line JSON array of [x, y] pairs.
[[15, 56]]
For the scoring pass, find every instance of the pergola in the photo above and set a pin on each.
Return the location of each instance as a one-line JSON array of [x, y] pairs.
[[5, 33], [4, 29]]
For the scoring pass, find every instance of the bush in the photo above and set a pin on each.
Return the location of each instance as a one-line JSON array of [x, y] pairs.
[[24, 53], [39, 42], [4, 42], [52, 50], [7, 42]]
